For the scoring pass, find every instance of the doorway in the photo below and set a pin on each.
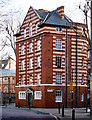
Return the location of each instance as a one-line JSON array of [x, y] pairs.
[[30, 99]]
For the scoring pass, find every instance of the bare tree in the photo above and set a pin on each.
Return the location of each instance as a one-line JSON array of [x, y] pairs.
[[9, 25]]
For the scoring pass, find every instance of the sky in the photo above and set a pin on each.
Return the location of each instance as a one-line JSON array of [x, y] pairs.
[[71, 7]]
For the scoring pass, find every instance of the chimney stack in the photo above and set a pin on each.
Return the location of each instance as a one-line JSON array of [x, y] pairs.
[[61, 11]]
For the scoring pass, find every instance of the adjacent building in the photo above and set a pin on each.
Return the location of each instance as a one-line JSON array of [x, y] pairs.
[[7, 80], [51, 54]]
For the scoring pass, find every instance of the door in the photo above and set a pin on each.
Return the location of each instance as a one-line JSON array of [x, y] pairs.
[[30, 99]]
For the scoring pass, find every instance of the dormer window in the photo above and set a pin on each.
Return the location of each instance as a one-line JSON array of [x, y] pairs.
[[25, 33], [30, 31], [59, 29]]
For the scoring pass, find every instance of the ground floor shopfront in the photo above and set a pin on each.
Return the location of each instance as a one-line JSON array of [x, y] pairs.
[[50, 96]]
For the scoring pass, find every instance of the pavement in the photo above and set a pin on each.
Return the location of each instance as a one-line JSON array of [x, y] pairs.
[[48, 113]]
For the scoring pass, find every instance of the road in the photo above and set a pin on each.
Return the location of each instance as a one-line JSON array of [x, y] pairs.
[[24, 114]]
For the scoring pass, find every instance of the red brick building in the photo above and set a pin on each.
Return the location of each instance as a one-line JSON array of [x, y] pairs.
[[51, 52]]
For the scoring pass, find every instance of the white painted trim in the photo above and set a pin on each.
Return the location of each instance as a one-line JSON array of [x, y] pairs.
[[49, 85]]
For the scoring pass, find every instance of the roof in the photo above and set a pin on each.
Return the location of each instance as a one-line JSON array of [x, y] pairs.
[[3, 63], [54, 18], [7, 72]]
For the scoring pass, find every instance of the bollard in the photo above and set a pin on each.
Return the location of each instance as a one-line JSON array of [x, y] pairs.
[[62, 110], [58, 108], [18, 104], [73, 114], [86, 107]]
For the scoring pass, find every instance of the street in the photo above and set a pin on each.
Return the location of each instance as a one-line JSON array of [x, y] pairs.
[[22, 114]]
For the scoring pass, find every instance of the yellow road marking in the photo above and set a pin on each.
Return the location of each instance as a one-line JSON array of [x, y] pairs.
[[54, 116]]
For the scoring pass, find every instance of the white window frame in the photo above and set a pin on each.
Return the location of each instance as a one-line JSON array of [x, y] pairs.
[[38, 61], [22, 64], [38, 78], [22, 95], [30, 47], [59, 78], [82, 97], [36, 96], [58, 98], [22, 50], [22, 79], [30, 31], [30, 63], [25, 33], [30, 79], [89, 54], [38, 45], [58, 44], [5, 79]]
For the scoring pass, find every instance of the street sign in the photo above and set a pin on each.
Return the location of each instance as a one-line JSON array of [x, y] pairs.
[[71, 86], [61, 88]]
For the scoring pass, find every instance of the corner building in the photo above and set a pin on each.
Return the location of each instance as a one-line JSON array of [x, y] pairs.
[[47, 60]]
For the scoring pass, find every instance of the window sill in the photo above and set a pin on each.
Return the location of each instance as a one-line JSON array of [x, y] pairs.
[[58, 101], [58, 49], [30, 68], [30, 52], [21, 70], [38, 50], [38, 67]]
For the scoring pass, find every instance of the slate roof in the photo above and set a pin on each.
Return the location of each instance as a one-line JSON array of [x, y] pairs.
[[3, 63], [54, 18], [7, 72]]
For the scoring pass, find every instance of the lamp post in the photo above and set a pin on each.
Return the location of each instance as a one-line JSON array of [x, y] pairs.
[[91, 59], [91, 67], [86, 8]]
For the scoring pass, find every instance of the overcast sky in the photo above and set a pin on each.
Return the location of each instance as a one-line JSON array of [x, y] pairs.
[[71, 6]]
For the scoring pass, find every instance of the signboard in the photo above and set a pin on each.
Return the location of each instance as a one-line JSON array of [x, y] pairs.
[[61, 88], [50, 90], [71, 86]]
